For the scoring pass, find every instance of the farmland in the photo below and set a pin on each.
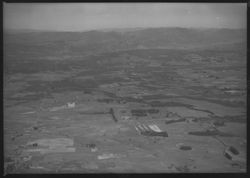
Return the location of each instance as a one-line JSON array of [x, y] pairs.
[[194, 90]]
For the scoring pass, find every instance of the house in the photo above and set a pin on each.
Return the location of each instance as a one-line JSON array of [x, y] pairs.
[[71, 105]]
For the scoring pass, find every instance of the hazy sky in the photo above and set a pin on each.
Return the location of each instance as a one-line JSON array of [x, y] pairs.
[[88, 16]]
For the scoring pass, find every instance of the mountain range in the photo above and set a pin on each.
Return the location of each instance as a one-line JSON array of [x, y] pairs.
[[102, 41]]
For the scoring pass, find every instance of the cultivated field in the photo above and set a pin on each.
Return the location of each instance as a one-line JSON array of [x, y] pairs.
[[130, 107]]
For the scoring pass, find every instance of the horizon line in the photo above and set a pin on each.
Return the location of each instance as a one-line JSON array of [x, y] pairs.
[[113, 28]]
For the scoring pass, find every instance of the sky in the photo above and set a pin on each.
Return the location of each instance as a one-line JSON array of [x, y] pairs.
[[94, 16]]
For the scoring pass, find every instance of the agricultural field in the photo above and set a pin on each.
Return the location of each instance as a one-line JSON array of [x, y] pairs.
[[123, 108]]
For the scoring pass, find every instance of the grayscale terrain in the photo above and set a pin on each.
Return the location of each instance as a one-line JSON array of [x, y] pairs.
[[136, 100]]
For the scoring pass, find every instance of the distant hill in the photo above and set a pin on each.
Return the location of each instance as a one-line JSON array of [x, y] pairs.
[[94, 42]]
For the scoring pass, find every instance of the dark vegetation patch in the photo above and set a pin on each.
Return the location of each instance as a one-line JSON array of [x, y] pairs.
[[108, 80], [44, 89], [69, 85], [111, 95], [143, 112], [203, 110], [185, 147], [113, 114], [219, 123], [175, 120], [130, 99], [144, 53], [8, 159], [13, 103], [105, 100], [151, 133], [139, 112], [87, 91], [39, 86], [32, 97], [32, 65], [10, 168], [233, 150], [236, 119], [156, 96], [93, 113], [123, 111], [219, 101], [28, 66], [211, 133], [183, 169], [164, 104], [153, 111]]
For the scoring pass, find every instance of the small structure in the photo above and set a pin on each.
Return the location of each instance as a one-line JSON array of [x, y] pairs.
[[232, 153], [92, 147], [55, 145], [125, 118], [71, 105], [109, 156], [151, 130]]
